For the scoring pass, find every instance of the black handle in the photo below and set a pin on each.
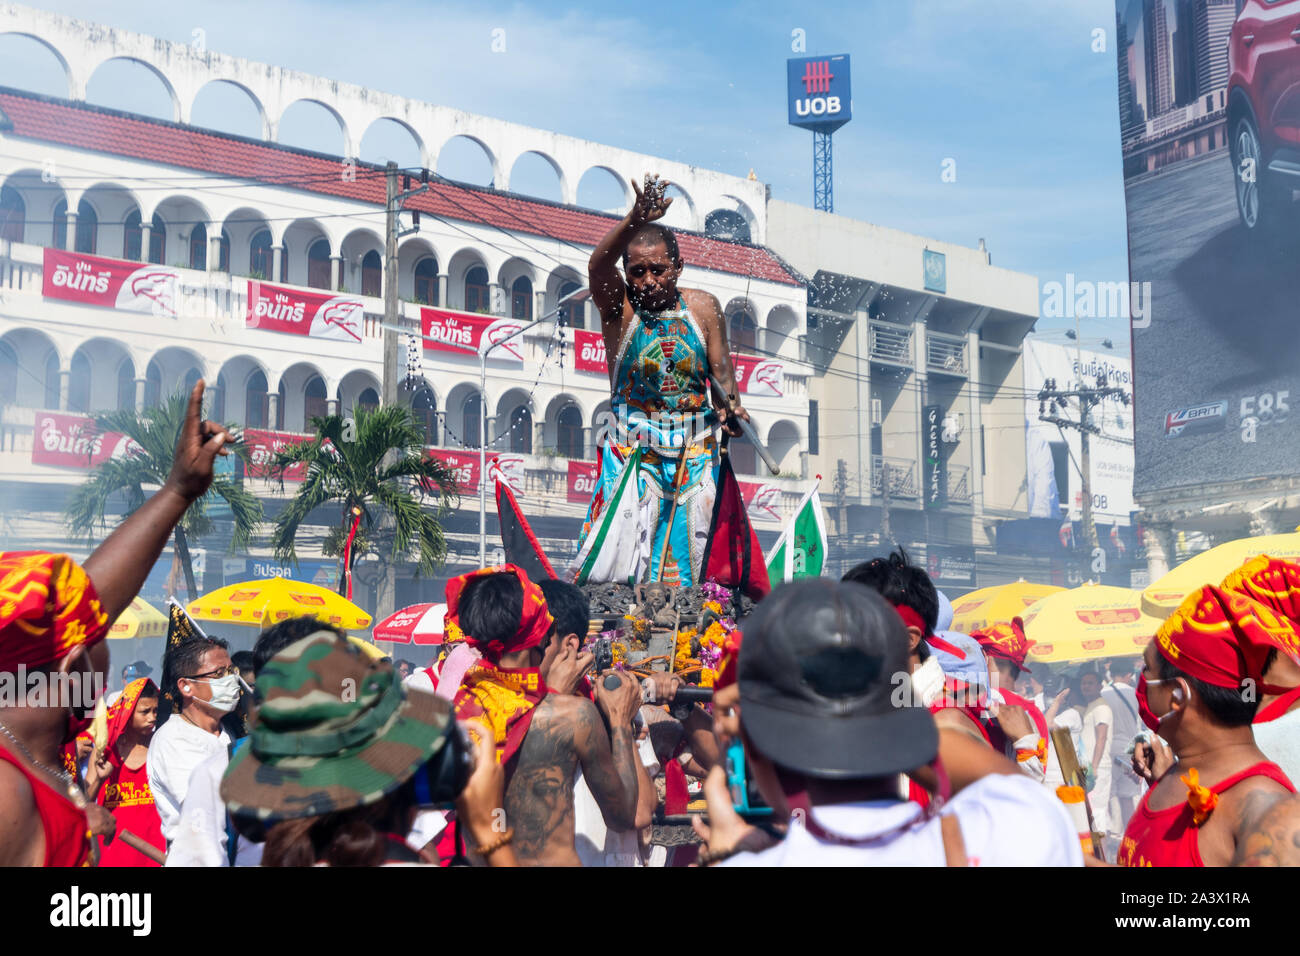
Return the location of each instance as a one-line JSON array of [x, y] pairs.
[[693, 695]]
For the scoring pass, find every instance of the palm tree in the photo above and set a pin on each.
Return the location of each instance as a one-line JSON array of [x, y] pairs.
[[155, 431], [377, 463]]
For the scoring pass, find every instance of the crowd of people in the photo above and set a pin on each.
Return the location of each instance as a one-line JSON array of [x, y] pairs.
[[848, 724]]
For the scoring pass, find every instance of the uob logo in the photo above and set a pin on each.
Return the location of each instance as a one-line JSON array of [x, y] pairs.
[[817, 78]]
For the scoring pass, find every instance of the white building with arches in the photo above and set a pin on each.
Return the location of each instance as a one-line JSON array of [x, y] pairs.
[[223, 215]]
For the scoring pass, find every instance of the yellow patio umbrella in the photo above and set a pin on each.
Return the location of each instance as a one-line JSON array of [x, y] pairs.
[[1001, 602], [1210, 567], [1087, 622], [140, 619], [263, 603]]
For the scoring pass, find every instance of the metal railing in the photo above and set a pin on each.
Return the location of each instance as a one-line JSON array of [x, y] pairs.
[[889, 342], [959, 484], [945, 353], [902, 476]]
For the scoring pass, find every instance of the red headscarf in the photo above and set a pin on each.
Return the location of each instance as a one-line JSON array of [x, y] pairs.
[[1223, 638], [730, 661], [912, 618], [1270, 581], [534, 623], [1007, 640], [47, 607], [123, 709]]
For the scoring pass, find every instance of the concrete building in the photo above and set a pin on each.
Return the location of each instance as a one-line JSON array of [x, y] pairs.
[[899, 324], [217, 222]]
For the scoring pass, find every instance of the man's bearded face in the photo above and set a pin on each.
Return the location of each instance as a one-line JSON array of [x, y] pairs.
[[652, 277]]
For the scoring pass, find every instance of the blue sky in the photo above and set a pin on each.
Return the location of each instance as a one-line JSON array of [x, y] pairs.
[[1011, 90]]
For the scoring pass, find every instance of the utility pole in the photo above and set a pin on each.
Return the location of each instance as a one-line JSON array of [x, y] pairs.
[[886, 533], [1052, 403], [392, 383], [391, 344], [392, 209]]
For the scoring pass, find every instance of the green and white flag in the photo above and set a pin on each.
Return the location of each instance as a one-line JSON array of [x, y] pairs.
[[615, 549], [800, 552]]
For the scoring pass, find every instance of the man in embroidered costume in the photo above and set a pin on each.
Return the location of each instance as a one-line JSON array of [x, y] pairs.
[[54, 615], [1196, 691], [119, 779], [541, 738], [663, 343]]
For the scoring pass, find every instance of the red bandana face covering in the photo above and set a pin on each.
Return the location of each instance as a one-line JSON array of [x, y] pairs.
[[1223, 637], [534, 622]]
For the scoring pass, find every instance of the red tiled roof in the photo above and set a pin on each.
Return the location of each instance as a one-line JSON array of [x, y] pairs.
[[107, 131]]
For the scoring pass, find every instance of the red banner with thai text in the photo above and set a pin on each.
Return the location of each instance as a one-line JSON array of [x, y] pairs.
[[589, 352], [464, 466], [468, 332], [73, 441], [759, 376], [582, 480], [262, 449], [318, 314], [762, 501], [110, 283]]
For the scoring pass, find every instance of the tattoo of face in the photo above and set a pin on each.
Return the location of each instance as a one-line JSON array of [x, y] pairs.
[[539, 799]]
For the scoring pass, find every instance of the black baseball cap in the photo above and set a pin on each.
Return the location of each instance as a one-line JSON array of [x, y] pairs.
[[824, 683]]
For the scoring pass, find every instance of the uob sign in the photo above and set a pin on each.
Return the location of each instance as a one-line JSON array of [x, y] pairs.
[[818, 92]]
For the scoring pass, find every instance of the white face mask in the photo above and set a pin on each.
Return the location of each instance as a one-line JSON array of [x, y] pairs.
[[225, 692]]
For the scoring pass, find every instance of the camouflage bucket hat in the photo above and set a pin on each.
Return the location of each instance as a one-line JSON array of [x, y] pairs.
[[334, 730]]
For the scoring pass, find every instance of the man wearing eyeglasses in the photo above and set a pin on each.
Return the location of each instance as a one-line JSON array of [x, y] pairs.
[[202, 686]]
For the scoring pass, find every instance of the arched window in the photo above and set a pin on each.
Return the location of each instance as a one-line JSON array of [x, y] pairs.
[[218, 412], [157, 240], [188, 381], [223, 257], [279, 408], [318, 264], [153, 385], [256, 406], [13, 214], [744, 459], [314, 402], [371, 273], [132, 236], [521, 299], [426, 281], [471, 416], [742, 331], [199, 247], [369, 400], [87, 227], [126, 386], [424, 407], [571, 314], [260, 257], [477, 297], [52, 380], [521, 431], [8, 374], [725, 224], [568, 432], [79, 384]]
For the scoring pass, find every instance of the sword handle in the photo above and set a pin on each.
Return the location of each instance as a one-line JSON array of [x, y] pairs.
[[748, 428]]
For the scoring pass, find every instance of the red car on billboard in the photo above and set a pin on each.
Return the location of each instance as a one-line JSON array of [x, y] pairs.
[[1264, 110]]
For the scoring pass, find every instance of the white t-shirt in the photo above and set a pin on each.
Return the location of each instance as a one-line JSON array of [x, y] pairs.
[[176, 749], [1006, 820], [1280, 741], [201, 831], [596, 844], [1097, 714]]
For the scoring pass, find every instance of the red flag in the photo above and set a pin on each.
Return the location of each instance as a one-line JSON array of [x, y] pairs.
[[732, 556], [518, 540]]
